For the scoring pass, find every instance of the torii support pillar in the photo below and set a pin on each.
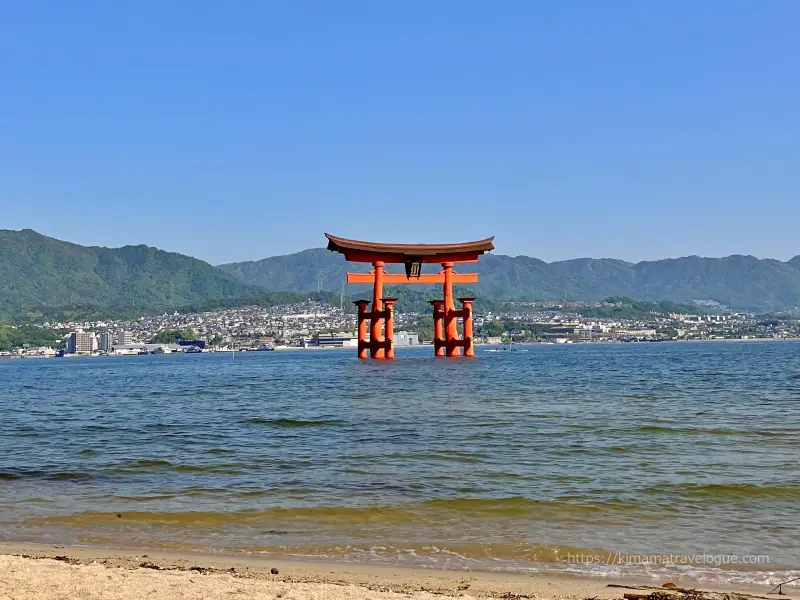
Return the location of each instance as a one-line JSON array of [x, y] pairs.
[[363, 315], [438, 327], [440, 344], [469, 340], [388, 312]]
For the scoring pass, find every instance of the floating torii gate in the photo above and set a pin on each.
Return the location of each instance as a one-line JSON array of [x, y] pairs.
[[381, 316]]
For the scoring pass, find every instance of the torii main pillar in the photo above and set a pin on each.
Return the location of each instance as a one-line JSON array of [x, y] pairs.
[[450, 323], [377, 350], [381, 316]]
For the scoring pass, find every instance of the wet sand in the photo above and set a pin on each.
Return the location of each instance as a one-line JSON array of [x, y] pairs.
[[31, 571]]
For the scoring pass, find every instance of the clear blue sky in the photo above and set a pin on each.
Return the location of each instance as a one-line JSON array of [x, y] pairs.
[[239, 130]]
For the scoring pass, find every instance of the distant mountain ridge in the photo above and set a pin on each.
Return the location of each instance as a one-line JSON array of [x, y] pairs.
[[39, 272], [738, 281]]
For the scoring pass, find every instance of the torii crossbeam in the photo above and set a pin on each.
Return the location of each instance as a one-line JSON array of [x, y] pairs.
[[445, 316]]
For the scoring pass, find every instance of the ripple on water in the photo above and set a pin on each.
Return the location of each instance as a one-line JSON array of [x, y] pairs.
[[289, 423]]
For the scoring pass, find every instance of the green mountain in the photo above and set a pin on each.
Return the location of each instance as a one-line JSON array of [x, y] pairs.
[[304, 271], [739, 282], [38, 272], [44, 275]]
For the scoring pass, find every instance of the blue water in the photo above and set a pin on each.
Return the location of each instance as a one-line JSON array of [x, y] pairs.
[[513, 460]]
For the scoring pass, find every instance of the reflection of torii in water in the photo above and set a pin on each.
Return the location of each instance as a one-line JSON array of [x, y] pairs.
[[446, 341]]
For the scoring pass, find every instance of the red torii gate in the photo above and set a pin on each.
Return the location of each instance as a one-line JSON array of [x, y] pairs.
[[446, 341]]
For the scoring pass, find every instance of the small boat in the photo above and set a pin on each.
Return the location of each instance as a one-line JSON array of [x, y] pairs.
[[265, 348]]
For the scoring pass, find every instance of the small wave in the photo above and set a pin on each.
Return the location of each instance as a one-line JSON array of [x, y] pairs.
[[428, 511], [146, 498], [442, 455], [294, 464], [36, 500], [153, 463], [301, 492], [733, 491], [714, 431], [231, 469], [528, 558], [293, 422], [518, 506], [44, 475], [501, 476], [68, 476], [147, 465]]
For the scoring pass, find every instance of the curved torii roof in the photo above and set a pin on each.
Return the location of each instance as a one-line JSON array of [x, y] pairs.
[[360, 251]]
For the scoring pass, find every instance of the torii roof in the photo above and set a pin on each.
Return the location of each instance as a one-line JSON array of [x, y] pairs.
[[360, 251]]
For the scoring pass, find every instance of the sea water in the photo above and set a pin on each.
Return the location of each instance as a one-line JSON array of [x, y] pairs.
[[660, 460]]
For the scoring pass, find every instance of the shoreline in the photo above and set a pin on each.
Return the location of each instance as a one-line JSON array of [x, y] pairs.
[[114, 572], [427, 345]]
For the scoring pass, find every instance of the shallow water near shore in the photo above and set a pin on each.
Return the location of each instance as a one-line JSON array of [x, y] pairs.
[[602, 459]]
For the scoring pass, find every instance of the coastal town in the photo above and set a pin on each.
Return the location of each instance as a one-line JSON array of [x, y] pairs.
[[317, 325]]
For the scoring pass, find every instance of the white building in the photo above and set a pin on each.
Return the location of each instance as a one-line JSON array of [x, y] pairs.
[[406, 338], [348, 340], [635, 333], [81, 342]]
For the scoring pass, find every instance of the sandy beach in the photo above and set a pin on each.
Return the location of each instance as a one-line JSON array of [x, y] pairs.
[[31, 571]]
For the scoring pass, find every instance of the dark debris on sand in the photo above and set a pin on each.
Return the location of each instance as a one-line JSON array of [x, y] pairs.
[[676, 593]]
